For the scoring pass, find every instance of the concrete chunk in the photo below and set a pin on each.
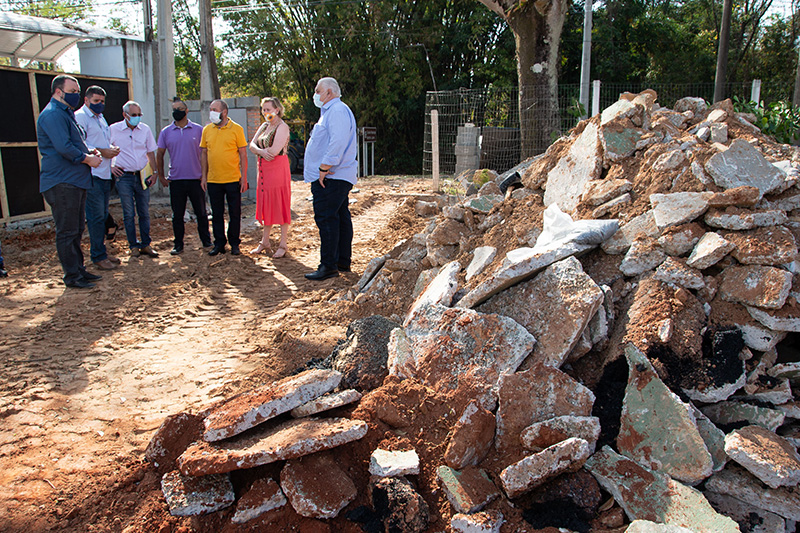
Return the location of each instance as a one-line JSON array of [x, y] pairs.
[[679, 240], [744, 196], [674, 270], [743, 219], [263, 496], [785, 319], [472, 437], [172, 438], [678, 208], [767, 456], [714, 439], [326, 403], [742, 164], [646, 526], [749, 517], [654, 496], [251, 408], [440, 290], [387, 463], [316, 486], [543, 434], [763, 246], [530, 472], [758, 286], [482, 522], [469, 490], [598, 192], [583, 163], [482, 256], [196, 495], [731, 412], [735, 481], [289, 440], [644, 225], [644, 255], [709, 251]]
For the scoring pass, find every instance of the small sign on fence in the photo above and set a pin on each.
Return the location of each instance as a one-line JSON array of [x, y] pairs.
[[370, 134]]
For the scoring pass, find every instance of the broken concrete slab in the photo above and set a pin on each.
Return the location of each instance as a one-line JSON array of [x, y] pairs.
[[620, 109], [482, 256], [790, 371], [426, 209], [316, 486], [535, 395], [646, 526], [732, 412], [719, 133], [171, 438], [749, 517], [642, 225], [654, 496], [609, 206], [714, 439], [447, 231], [389, 463], [440, 290], [264, 495], [674, 270], [744, 196], [784, 319], [644, 255], [767, 456], [251, 408], [737, 482], [581, 164], [755, 285], [372, 268], [734, 218], [196, 495], [710, 250], [535, 469], [546, 433], [669, 160], [472, 437], [482, 522], [691, 103], [519, 265], [563, 286], [763, 246], [619, 140], [678, 208], [289, 440], [657, 429], [483, 204], [468, 490], [326, 402], [679, 240], [742, 164], [597, 192]]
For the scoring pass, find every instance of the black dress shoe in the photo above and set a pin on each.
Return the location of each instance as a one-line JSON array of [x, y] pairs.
[[178, 250], [3, 272], [217, 250], [81, 283], [322, 273], [344, 268], [235, 250], [88, 276]]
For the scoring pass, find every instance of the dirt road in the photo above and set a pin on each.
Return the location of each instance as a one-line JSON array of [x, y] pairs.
[[88, 375]]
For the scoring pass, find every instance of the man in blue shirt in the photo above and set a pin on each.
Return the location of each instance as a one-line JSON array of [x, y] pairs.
[[65, 176], [90, 118], [331, 168]]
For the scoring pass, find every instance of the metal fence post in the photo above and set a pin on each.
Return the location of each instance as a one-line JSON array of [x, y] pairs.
[[595, 97], [755, 91], [435, 148]]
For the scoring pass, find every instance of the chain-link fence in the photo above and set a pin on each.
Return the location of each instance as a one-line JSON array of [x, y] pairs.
[[480, 128]]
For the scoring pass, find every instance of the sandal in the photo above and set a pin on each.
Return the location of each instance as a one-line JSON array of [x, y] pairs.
[[261, 248], [280, 252]]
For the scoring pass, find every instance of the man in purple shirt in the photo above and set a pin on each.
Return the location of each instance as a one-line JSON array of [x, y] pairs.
[[182, 140]]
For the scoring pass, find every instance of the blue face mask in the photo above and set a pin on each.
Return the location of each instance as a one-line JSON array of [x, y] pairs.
[[134, 121], [318, 100], [97, 108], [72, 99]]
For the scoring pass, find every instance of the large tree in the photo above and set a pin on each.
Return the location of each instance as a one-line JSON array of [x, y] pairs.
[[537, 30]]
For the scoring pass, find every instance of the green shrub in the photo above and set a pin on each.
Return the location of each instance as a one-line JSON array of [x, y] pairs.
[[780, 120]]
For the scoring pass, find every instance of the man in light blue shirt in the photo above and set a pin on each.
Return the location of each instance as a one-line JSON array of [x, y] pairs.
[[90, 118], [331, 168]]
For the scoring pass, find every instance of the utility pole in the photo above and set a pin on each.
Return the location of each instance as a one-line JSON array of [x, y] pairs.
[[796, 95], [722, 52], [166, 61], [586, 56], [209, 82]]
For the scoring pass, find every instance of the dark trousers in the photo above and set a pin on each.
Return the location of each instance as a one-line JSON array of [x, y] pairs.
[[1, 257], [179, 192], [217, 194], [135, 200], [332, 215], [96, 213], [68, 204]]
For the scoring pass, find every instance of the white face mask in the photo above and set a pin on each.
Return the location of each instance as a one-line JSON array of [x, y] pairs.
[[214, 116], [317, 100]]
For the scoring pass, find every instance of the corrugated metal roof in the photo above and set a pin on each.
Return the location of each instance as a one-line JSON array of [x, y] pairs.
[[41, 39]]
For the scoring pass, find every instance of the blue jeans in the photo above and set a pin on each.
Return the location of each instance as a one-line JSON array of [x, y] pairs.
[[217, 194], [332, 215], [68, 204], [130, 190], [96, 212]]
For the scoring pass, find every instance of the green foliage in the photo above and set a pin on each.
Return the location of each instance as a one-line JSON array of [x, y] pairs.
[[482, 177], [61, 10], [779, 119]]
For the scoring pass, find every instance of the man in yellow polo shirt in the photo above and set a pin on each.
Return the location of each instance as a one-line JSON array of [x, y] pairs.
[[223, 158]]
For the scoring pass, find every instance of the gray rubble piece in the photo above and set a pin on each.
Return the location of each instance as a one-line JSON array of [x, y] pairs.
[[482, 256], [766, 455], [388, 463], [620, 109], [455, 212], [597, 192], [749, 517], [756, 285], [426, 209], [264, 495], [564, 288], [610, 205], [738, 219], [678, 208], [744, 196], [619, 140], [787, 203], [534, 395], [295, 438], [732, 412], [543, 434], [439, 291], [790, 371], [719, 133], [483, 204], [316, 486], [644, 225], [759, 337], [669, 160], [472, 437], [694, 104], [482, 522], [468, 490], [535, 469], [646, 526], [442, 346], [775, 393], [372, 268], [742, 164], [581, 164], [423, 280], [249, 409], [657, 429], [519, 265], [782, 320], [790, 409], [679, 240], [361, 356], [717, 115], [644, 255], [674, 270], [714, 439], [326, 402], [737, 482], [196, 495], [763, 246], [709, 251], [654, 496]]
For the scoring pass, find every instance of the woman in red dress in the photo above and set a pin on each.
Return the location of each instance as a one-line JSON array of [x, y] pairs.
[[274, 192]]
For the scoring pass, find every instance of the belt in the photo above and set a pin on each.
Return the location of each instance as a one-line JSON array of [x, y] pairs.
[[136, 173]]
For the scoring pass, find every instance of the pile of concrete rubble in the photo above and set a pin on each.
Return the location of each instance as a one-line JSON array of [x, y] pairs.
[[613, 317]]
